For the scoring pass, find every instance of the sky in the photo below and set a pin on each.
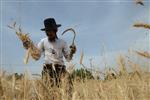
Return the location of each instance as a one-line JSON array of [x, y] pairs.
[[104, 29]]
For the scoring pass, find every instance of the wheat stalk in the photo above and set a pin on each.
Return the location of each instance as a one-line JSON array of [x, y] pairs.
[[81, 57], [140, 2], [142, 25], [144, 54], [122, 65]]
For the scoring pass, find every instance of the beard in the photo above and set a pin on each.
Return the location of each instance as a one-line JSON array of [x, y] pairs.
[[51, 39]]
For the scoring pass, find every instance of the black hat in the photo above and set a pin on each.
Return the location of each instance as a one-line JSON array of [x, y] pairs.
[[50, 24]]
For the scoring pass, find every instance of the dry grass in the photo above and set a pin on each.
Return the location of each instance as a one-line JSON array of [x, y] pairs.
[[133, 85]]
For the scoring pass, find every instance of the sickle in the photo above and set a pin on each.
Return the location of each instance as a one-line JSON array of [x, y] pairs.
[[71, 29]]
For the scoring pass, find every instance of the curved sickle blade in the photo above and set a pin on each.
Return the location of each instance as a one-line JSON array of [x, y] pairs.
[[71, 29]]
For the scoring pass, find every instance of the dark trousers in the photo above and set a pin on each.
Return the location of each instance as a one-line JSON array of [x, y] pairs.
[[53, 73], [57, 75]]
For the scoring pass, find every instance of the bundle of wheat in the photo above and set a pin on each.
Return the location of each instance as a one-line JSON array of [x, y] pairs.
[[32, 49]]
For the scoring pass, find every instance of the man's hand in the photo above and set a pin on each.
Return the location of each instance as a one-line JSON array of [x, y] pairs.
[[72, 50], [26, 44]]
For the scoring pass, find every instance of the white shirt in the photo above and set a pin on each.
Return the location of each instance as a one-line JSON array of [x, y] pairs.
[[54, 51]]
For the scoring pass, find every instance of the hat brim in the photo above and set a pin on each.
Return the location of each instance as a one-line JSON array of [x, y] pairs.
[[44, 29]]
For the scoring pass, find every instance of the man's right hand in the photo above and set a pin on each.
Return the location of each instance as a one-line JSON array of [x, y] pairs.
[[26, 44]]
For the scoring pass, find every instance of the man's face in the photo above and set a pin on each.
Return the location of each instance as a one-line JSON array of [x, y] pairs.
[[51, 35]]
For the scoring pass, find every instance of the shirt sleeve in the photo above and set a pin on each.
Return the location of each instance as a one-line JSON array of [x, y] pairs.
[[40, 45], [66, 51]]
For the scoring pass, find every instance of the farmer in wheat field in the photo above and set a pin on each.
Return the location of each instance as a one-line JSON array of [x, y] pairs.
[[54, 50]]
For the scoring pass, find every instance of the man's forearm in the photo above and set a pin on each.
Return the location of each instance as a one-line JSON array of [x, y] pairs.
[[35, 53]]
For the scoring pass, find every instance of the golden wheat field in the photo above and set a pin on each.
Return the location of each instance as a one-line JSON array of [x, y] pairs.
[[127, 81], [118, 85]]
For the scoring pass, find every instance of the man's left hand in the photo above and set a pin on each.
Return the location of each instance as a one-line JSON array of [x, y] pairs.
[[73, 49]]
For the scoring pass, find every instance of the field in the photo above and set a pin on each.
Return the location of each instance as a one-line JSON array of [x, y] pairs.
[[116, 85]]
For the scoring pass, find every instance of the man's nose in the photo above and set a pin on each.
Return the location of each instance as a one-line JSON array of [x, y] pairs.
[[49, 34]]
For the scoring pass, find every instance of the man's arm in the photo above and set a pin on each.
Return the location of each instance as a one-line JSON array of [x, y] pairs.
[[35, 51]]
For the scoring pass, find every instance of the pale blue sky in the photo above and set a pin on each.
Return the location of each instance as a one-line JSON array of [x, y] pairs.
[[97, 23]]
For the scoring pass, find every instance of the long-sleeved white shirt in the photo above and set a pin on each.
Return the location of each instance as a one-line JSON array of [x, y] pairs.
[[54, 51]]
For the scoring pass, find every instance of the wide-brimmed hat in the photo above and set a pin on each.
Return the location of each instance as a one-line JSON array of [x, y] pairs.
[[50, 24]]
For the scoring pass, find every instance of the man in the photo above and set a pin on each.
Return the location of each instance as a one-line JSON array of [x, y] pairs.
[[54, 49]]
